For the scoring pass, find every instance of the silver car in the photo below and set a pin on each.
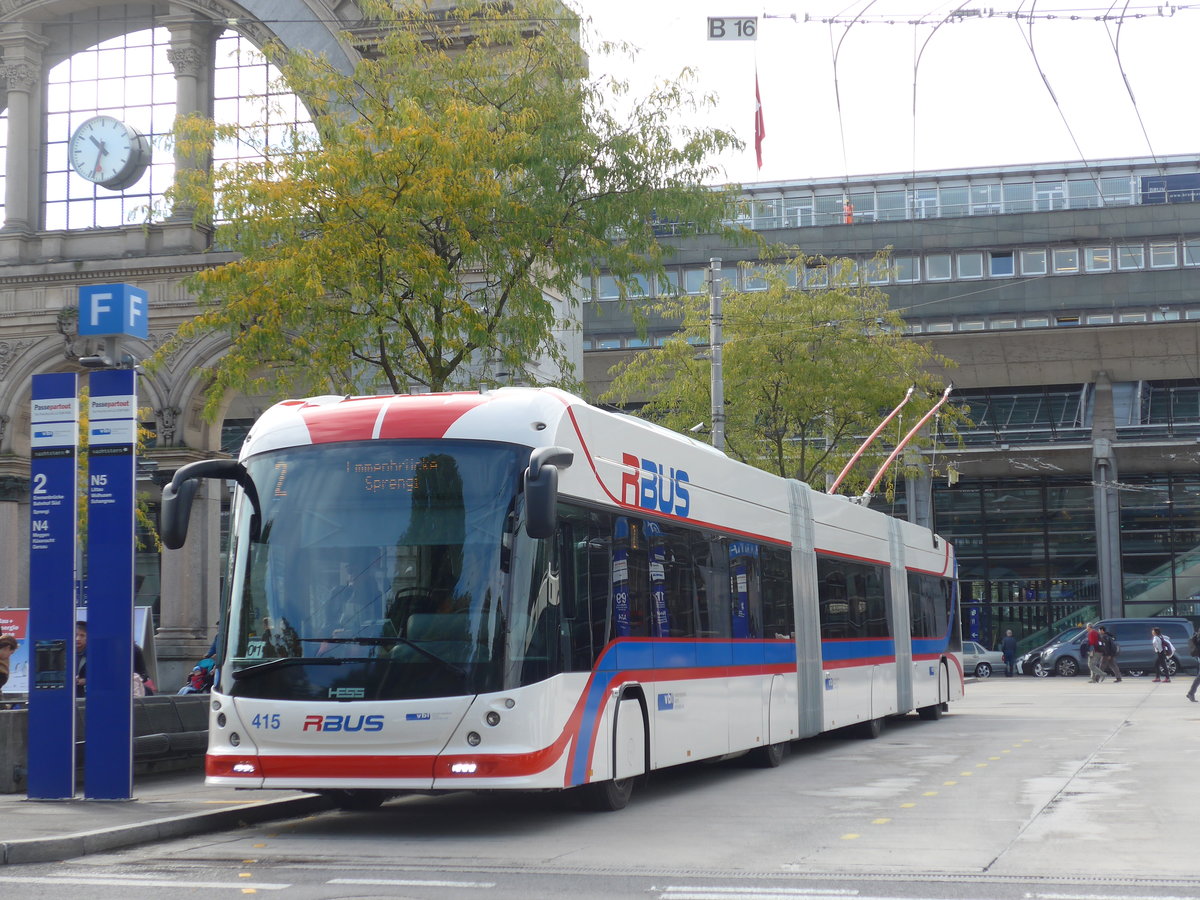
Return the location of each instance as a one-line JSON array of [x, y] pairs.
[[979, 661]]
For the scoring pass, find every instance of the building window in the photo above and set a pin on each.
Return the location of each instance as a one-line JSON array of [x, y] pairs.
[[1066, 320], [1191, 252], [1018, 198], [940, 327], [610, 343], [973, 325], [1050, 195], [606, 288], [1103, 319], [937, 267], [1131, 256], [1035, 322], [1098, 259], [816, 276], [985, 199], [637, 343], [754, 277], [908, 268], [797, 212], [1163, 255], [767, 213], [1066, 260], [1000, 263], [1165, 315], [875, 271], [668, 283], [1003, 324], [970, 264], [1132, 317], [1033, 262], [694, 281]]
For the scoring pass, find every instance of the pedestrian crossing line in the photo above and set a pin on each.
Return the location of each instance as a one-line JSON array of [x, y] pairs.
[[142, 883], [401, 882]]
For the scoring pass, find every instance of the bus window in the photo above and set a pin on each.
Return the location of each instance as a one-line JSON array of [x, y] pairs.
[[714, 600], [745, 588], [779, 615]]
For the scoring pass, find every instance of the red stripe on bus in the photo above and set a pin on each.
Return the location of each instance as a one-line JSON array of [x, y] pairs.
[[347, 420], [428, 415]]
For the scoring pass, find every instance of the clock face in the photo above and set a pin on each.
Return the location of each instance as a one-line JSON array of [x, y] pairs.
[[108, 152]]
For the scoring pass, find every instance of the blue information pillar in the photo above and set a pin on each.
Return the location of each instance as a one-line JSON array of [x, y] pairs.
[[112, 442], [54, 441]]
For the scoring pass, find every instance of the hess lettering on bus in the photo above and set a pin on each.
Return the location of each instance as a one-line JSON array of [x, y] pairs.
[[661, 488], [343, 723]]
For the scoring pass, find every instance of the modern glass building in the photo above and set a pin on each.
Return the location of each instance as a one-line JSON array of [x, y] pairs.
[[1069, 296]]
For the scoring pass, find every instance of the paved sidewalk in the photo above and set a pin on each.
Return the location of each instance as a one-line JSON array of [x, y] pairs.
[[164, 806]]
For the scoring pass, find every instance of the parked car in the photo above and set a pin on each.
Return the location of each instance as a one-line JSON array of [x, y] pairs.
[[1030, 663], [979, 661], [1136, 656]]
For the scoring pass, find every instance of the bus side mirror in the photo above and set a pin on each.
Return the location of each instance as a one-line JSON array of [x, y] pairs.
[[177, 497], [541, 489]]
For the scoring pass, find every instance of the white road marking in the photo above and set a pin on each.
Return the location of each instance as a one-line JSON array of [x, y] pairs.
[[397, 882], [148, 882]]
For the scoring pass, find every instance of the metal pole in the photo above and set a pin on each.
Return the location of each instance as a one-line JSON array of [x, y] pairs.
[[715, 320]]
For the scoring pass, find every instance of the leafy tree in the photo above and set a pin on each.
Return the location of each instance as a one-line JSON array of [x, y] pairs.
[[444, 194], [807, 372]]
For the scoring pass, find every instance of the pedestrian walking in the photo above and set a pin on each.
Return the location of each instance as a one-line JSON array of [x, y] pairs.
[[1194, 649], [1162, 649], [1093, 653], [1108, 653], [1008, 647]]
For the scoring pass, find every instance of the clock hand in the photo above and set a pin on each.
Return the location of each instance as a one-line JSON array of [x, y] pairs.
[[93, 140], [100, 155]]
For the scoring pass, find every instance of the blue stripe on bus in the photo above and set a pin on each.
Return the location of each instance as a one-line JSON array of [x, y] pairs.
[[665, 655]]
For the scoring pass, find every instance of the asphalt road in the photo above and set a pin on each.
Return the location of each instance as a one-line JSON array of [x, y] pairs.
[[1048, 789]]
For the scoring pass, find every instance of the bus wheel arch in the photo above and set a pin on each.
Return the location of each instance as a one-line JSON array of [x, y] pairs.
[[614, 793], [934, 711]]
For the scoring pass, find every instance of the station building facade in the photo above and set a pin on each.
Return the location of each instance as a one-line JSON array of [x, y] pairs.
[[1068, 295]]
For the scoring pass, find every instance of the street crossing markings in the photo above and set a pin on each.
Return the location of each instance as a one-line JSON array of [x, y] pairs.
[[397, 882], [142, 882], [704, 892]]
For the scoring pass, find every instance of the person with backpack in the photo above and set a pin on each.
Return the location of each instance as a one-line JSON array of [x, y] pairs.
[[1162, 650], [1108, 653], [1093, 653], [1194, 649]]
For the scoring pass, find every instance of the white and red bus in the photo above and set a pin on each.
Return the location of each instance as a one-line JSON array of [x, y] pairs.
[[516, 590]]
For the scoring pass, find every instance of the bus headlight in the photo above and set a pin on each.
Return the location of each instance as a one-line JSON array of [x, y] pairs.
[[492, 718], [473, 738]]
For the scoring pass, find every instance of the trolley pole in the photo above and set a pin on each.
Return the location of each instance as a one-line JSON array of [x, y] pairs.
[[715, 320]]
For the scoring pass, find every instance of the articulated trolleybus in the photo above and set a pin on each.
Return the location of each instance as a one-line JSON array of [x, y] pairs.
[[516, 590]]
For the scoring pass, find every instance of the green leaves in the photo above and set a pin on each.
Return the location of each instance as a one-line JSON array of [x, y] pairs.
[[442, 213], [807, 373]]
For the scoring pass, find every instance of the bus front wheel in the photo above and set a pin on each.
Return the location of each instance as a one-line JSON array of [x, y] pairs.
[[608, 796]]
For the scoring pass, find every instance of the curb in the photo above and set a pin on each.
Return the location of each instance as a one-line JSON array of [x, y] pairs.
[[69, 846]]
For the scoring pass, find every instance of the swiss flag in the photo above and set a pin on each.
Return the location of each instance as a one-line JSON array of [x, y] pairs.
[[760, 129]]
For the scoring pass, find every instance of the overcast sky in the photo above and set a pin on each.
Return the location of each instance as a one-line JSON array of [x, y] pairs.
[[981, 92]]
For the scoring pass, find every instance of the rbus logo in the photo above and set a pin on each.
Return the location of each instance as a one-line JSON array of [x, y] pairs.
[[343, 723], [660, 489]]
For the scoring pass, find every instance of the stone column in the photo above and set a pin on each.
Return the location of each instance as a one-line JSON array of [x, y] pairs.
[[190, 581], [192, 51], [22, 68]]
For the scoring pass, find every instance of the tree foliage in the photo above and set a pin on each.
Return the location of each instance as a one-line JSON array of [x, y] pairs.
[[445, 193], [808, 373]]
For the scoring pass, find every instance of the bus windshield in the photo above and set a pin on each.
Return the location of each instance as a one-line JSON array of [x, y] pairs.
[[381, 571]]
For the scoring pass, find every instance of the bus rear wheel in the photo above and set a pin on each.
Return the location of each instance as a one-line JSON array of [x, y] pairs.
[[608, 796], [768, 756]]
